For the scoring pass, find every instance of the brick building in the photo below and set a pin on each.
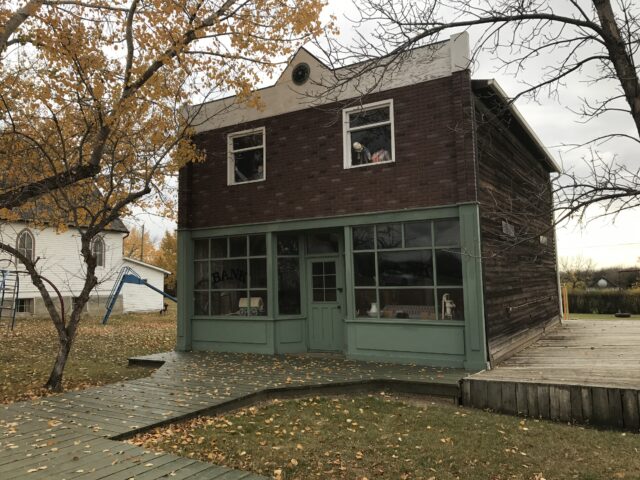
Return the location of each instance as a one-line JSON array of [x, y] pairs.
[[412, 224]]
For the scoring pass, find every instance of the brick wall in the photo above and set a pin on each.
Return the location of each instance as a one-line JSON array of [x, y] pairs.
[[305, 175]]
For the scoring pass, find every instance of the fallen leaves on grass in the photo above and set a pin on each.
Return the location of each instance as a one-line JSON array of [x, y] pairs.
[[377, 436], [99, 354]]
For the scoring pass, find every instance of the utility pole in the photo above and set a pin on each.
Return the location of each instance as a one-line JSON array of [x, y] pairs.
[[142, 244]]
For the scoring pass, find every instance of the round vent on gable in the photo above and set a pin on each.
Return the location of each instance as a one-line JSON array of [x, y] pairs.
[[300, 73]]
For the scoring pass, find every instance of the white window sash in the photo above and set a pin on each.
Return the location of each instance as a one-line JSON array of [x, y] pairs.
[[347, 130], [231, 159]]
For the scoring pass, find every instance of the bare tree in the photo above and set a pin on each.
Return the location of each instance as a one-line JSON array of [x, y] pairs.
[[544, 44], [576, 271]]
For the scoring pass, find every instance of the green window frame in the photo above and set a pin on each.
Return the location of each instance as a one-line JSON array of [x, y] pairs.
[[230, 276], [409, 269]]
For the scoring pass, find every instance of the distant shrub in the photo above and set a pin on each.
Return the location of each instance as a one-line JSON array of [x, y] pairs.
[[604, 301]]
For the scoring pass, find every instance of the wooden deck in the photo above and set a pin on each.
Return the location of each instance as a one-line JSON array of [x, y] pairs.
[[584, 371], [75, 435]]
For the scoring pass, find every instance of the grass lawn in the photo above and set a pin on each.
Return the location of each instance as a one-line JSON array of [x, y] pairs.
[[99, 354], [599, 316], [380, 436]]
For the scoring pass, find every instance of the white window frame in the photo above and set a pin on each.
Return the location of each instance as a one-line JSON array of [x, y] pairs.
[[346, 131], [100, 259], [26, 232], [231, 158]]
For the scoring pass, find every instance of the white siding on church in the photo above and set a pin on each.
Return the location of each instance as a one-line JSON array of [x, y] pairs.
[[140, 298], [60, 260]]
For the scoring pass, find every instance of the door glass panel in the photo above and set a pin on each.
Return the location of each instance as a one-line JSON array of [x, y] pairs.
[[324, 281]]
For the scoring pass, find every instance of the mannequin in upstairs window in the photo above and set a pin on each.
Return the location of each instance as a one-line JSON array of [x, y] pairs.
[[363, 155]]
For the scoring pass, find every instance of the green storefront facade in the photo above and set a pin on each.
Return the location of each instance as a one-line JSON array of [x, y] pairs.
[[399, 286]]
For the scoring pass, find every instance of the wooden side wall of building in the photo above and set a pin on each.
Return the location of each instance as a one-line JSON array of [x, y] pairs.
[[519, 267]]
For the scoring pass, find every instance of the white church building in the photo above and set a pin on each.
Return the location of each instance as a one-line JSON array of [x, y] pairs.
[[59, 261]]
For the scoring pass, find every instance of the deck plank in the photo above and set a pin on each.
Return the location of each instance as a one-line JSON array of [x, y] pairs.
[[73, 435]]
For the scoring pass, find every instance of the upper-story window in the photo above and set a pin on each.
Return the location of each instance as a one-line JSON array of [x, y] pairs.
[[97, 250], [246, 156], [368, 134], [25, 244]]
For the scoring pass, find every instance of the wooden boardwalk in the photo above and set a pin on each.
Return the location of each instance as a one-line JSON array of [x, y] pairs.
[[75, 435], [583, 371]]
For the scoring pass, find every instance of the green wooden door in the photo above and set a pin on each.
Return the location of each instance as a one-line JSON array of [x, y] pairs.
[[326, 297]]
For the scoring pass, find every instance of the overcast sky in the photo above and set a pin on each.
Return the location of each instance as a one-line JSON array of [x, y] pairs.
[[609, 241]]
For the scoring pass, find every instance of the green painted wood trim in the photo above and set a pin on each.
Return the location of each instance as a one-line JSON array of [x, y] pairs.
[[408, 321], [350, 293], [272, 276], [185, 289], [332, 222], [475, 343]]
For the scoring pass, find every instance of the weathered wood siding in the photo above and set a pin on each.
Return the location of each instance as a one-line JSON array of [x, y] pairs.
[[520, 278], [602, 406]]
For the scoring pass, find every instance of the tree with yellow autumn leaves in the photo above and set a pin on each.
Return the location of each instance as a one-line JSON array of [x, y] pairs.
[[92, 96]]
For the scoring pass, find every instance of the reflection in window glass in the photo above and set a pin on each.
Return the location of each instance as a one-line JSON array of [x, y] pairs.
[[363, 238], [238, 246], [201, 249], [405, 268], [257, 245], [389, 235], [368, 117], [219, 248], [447, 232], [226, 303], [289, 286], [407, 303], [364, 269], [287, 244], [417, 234], [201, 275], [258, 269], [201, 303], [449, 267], [322, 243]]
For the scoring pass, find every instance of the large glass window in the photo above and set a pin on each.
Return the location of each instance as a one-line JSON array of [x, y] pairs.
[[368, 134], [288, 275], [247, 156], [409, 270], [230, 276]]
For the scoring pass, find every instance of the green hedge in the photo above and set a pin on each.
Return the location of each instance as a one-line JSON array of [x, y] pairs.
[[604, 301]]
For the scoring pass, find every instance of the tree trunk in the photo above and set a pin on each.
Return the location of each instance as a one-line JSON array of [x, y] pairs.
[[620, 58], [55, 378]]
